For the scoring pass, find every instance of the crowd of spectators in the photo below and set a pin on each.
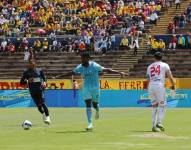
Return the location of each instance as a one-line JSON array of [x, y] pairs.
[[154, 45], [86, 17], [93, 21], [179, 21], [175, 40], [171, 44]]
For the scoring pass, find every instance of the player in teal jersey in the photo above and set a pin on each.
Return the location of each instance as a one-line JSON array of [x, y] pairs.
[[90, 71]]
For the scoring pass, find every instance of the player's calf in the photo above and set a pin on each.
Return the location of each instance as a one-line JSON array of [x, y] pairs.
[[96, 107], [97, 114]]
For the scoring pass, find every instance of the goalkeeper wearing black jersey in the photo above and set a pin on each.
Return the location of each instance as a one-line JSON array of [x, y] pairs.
[[36, 81]]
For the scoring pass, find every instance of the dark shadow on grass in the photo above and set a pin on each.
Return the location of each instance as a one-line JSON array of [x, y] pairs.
[[143, 131], [65, 132], [8, 126]]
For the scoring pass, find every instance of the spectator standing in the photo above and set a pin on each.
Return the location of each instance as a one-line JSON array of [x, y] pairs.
[[54, 45], [10, 47], [141, 25], [171, 28], [31, 54], [104, 45], [135, 46], [113, 41], [182, 21], [26, 55], [97, 45], [153, 18], [24, 45], [4, 45], [176, 20], [188, 12], [87, 42], [188, 39], [177, 2]]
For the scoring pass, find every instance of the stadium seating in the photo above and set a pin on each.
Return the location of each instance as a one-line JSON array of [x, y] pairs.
[[186, 29], [57, 63], [53, 63], [161, 26], [178, 61]]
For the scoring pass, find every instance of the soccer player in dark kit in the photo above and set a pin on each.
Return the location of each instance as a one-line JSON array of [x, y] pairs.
[[36, 81]]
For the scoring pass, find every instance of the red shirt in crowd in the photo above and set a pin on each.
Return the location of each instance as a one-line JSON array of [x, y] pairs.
[[173, 40], [171, 26], [11, 48]]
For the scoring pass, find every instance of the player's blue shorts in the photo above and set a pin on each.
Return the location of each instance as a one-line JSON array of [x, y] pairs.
[[93, 94]]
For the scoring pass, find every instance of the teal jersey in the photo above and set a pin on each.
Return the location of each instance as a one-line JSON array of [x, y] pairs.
[[90, 77]]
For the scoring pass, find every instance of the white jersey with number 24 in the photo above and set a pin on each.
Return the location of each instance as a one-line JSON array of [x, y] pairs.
[[156, 72]]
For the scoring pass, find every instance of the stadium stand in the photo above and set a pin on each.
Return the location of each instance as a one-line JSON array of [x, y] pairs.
[[178, 59], [59, 62], [179, 62], [161, 26]]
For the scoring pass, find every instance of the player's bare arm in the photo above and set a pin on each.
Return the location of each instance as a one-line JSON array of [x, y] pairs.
[[65, 75], [109, 70], [169, 75], [147, 81]]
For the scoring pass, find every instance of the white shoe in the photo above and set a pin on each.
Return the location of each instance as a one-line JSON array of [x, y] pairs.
[[90, 127], [43, 117], [156, 129], [160, 126], [46, 119]]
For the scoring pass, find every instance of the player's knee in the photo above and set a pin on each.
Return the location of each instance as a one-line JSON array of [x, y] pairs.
[[39, 104], [155, 104], [88, 103], [95, 104], [162, 103]]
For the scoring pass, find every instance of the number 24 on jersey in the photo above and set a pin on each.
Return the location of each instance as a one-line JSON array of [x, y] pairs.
[[155, 71]]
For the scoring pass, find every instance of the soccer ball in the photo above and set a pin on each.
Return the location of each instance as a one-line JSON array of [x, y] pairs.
[[27, 125]]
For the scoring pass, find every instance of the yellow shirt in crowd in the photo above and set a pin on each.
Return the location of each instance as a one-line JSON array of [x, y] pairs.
[[154, 45], [124, 42], [161, 45]]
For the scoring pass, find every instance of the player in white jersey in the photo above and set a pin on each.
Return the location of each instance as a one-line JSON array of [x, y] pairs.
[[156, 73]]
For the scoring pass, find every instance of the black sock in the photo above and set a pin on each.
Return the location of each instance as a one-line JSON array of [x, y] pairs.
[[96, 106], [40, 109], [45, 109]]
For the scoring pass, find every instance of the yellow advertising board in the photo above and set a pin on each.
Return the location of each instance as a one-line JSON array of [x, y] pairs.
[[51, 84], [105, 84], [184, 83], [112, 84]]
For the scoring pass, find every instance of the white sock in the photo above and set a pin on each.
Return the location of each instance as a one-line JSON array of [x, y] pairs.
[[154, 117], [161, 114]]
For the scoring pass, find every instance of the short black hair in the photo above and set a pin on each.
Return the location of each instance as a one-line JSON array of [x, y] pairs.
[[85, 54], [158, 55]]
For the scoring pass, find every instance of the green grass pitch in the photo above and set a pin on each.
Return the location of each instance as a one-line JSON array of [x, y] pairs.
[[117, 129]]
